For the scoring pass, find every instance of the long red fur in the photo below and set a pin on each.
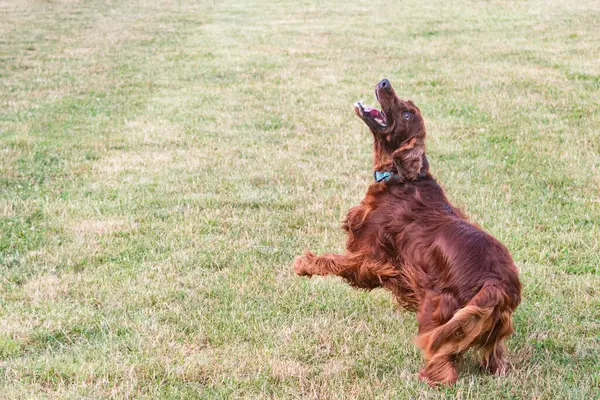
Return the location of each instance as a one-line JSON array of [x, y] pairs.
[[407, 237]]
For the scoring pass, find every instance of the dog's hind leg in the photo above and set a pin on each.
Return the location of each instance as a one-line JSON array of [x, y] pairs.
[[493, 349], [358, 269], [439, 370], [484, 321], [494, 359], [435, 310]]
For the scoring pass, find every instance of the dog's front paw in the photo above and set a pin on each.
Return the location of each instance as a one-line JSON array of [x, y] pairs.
[[302, 264]]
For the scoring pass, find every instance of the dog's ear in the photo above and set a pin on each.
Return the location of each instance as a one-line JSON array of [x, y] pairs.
[[409, 158]]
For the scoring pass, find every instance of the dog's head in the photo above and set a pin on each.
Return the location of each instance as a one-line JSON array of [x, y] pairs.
[[398, 129], [397, 122]]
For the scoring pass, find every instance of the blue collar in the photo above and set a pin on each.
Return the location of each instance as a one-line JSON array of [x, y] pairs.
[[382, 176]]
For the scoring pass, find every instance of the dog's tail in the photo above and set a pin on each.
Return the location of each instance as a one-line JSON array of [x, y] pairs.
[[484, 320]]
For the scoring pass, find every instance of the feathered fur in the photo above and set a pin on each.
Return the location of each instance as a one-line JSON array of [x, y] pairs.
[[407, 237]]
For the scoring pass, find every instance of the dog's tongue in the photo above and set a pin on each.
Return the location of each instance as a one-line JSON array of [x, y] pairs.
[[375, 113]]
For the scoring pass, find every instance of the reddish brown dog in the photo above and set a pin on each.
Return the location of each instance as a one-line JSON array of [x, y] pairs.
[[405, 236]]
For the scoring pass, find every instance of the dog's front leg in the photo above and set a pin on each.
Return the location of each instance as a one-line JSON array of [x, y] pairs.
[[359, 270], [310, 264]]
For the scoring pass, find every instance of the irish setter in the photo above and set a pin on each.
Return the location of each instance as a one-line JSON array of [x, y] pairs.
[[405, 236]]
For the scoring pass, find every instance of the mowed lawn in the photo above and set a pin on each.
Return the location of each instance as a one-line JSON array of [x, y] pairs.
[[161, 163]]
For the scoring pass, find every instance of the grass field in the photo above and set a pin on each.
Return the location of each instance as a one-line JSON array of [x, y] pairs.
[[161, 163]]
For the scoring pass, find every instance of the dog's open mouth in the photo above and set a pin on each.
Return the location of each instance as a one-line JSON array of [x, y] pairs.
[[373, 117]]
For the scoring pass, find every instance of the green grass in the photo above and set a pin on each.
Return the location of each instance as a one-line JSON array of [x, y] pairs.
[[161, 163]]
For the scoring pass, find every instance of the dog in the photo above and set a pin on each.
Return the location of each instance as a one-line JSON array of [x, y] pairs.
[[405, 236]]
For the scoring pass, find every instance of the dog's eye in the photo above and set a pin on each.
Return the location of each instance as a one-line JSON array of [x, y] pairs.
[[406, 115]]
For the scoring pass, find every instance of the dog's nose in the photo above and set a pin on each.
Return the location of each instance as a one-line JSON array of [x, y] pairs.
[[384, 84]]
